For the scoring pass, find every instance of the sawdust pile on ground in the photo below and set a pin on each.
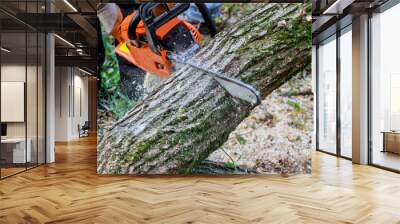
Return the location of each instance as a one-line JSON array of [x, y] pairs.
[[276, 137]]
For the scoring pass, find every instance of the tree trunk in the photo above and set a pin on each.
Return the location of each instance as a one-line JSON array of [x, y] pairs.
[[189, 116]]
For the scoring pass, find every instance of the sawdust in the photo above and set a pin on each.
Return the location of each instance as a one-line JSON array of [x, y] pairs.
[[276, 137]]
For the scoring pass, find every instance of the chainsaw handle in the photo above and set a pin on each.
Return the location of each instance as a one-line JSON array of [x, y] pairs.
[[152, 24], [145, 14], [132, 27]]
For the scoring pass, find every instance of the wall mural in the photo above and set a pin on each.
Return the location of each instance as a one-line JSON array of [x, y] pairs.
[[205, 88]]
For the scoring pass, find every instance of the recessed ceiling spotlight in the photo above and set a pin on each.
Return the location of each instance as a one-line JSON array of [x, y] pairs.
[[5, 50], [84, 71], [337, 7], [70, 5], [64, 40]]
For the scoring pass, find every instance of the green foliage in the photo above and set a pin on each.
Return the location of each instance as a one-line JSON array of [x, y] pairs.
[[298, 123], [240, 139], [233, 167], [301, 27], [237, 10], [180, 114], [296, 105], [111, 97], [298, 120], [136, 153], [298, 32], [230, 165]]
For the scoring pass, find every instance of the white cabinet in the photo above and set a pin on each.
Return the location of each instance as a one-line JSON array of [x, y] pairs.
[[18, 149], [12, 101]]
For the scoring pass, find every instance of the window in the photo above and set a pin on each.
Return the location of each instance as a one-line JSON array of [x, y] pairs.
[[327, 95], [385, 89], [346, 92]]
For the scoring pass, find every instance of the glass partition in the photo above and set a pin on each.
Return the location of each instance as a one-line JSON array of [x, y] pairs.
[[327, 95], [22, 77], [15, 149], [346, 92], [385, 89]]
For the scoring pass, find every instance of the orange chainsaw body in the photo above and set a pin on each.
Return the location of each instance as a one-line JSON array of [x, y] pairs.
[[140, 54]]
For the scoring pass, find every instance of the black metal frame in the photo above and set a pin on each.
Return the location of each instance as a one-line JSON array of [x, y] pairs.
[[338, 74], [389, 4], [369, 115], [44, 80], [0, 87], [337, 34], [316, 98]]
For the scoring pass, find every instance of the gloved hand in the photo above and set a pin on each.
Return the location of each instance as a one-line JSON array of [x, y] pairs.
[[108, 14], [193, 15]]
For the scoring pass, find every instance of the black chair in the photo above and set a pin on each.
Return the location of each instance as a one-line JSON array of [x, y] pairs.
[[84, 130]]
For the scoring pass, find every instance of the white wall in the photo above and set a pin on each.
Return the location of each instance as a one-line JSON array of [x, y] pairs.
[[61, 103], [80, 109], [16, 73], [10, 73], [71, 94]]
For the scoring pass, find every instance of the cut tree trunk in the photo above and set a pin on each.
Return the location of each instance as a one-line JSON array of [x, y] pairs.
[[189, 116]]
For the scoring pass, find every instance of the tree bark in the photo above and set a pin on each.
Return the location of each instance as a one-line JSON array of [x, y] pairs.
[[189, 116]]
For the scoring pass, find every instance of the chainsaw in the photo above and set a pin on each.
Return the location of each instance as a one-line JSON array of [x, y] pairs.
[[153, 37]]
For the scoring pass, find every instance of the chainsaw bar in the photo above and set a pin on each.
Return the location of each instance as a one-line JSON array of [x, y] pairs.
[[233, 86]]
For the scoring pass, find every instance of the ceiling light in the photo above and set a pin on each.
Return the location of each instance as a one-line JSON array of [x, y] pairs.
[[64, 40], [70, 5], [337, 7], [5, 50], [80, 51], [84, 71]]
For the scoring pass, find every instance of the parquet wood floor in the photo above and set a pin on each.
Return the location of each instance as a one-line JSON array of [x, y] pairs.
[[70, 191], [10, 171]]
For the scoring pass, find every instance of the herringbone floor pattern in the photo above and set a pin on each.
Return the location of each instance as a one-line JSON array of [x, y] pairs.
[[70, 191]]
